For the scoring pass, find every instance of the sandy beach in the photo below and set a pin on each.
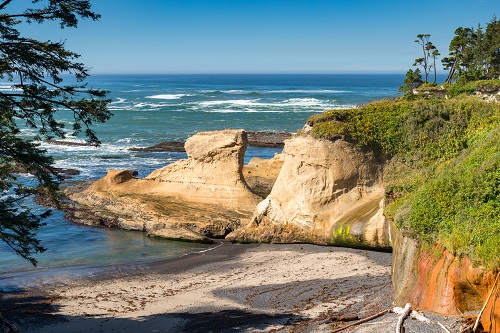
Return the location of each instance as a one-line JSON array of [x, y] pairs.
[[233, 288]]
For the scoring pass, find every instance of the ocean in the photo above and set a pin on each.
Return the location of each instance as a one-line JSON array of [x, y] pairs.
[[149, 109]]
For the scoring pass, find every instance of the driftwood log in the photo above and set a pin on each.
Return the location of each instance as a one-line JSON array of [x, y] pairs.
[[406, 312]]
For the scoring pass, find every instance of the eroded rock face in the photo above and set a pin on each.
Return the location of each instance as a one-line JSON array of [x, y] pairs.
[[261, 174], [326, 193], [202, 196], [442, 283]]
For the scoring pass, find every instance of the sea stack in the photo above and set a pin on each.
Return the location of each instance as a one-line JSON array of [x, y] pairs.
[[202, 196]]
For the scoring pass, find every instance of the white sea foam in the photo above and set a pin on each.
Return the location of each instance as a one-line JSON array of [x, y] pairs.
[[298, 102], [119, 100], [120, 104], [240, 102], [246, 110], [149, 105], [168, 96], [9, 87], [304, 102], [237, 91], [118, 108], [124, 140], [303, 91]]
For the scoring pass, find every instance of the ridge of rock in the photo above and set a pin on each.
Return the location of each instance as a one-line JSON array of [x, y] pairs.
[[202, 196]]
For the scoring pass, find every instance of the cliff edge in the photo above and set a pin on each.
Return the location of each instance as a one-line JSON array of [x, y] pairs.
[[327, 192]]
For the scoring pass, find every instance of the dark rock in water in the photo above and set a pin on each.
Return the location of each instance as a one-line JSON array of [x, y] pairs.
[[255, 139], [267, 139], [67, 172], [69, 143], [67, 188], [170, 146], [46, 201]]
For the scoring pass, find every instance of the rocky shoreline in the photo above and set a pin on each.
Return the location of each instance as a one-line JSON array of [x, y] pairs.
[[318, 192], [327, 192]]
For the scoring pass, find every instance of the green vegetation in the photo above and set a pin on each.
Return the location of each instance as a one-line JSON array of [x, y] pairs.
[[412, 81], [36, 67], [443, 169], [474, 54]]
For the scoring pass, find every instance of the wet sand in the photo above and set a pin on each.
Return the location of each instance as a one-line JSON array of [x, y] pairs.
[[233, 288]]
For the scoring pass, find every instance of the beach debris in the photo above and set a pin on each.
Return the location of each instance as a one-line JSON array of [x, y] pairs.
[[406, 312], [361, 321], [443, 327], [413, 314], [337, 318]]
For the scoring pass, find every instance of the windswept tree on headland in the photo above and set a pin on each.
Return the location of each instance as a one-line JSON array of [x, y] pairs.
[[474, 54], [430, 52], [36, 68]]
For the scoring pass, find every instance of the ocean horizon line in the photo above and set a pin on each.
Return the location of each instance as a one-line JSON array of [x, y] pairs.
[[257, 73]]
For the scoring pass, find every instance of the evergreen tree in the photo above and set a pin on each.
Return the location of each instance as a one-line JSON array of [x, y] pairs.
[[35, 69], [412, 80], [456, 61], [435, 53], [492, 46]]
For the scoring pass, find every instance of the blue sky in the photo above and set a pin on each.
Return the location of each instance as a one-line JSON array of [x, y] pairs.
[[264, 36]]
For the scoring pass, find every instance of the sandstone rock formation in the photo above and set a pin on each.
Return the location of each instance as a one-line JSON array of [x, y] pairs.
[[261, 174], [202, 196], [326, 193], [443, 283]]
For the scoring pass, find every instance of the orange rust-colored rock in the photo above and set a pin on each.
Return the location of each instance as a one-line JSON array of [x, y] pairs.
[[443, 283]]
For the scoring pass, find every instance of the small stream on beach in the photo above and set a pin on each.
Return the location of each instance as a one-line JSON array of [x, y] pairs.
[[149, 109]]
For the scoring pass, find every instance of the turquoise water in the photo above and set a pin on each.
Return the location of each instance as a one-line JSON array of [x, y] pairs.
[[149, 109]]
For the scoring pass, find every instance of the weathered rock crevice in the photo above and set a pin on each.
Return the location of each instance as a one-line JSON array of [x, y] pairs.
[[326, 193]]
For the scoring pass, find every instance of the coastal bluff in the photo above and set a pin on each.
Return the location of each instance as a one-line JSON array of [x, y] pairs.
[[204, 196], [328, 193]]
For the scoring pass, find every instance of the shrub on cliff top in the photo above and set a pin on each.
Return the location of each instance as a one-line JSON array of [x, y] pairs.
[[443, 172]]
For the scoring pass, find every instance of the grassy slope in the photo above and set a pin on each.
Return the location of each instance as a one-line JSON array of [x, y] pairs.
[[443, 170]]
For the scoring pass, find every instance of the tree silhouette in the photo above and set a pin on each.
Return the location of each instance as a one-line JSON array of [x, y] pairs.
[[38, 92]]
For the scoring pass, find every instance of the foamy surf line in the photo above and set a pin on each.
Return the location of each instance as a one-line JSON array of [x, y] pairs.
[[168, 96], [302, 102]]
